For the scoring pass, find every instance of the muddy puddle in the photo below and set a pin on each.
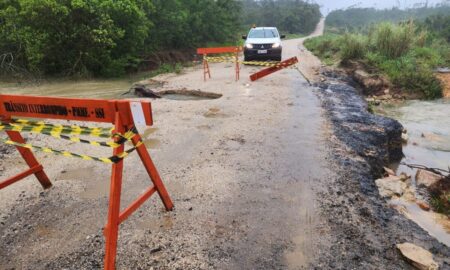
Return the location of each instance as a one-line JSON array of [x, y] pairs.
[[428, 129], [435, 224]]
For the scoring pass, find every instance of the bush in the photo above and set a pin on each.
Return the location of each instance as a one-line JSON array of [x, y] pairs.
[[392, 40], [442, 48], [108, 37], [353, 46], [407, 74]]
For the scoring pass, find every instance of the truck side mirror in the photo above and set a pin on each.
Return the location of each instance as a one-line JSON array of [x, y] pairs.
[[283, 36], [244, 37]]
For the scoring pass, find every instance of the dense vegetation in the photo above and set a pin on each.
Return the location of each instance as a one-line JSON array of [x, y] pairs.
[[291, 16], [406, 52], [107, 37], [359, 18], [111, 37]]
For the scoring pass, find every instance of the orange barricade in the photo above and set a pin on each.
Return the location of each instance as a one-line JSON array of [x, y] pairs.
[[275, 68], [122, 114], [207, 51]]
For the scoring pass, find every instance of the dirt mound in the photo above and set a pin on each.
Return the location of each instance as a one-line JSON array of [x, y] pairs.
[[369, 80]]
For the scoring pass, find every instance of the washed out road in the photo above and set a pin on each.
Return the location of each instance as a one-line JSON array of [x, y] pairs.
[[243, 172]]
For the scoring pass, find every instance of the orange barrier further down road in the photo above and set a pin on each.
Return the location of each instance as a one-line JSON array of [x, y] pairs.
[[122, 114], [207, 51]]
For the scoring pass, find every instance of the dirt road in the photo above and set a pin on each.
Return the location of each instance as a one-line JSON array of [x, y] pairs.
[[241, 171]]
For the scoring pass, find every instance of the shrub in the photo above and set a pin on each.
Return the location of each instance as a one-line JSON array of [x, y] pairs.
[[405, 73], [442, 48], [353, 46], [392, 40], [427, 57]]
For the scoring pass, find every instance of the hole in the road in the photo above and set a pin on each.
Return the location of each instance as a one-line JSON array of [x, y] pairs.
[[185, 94]]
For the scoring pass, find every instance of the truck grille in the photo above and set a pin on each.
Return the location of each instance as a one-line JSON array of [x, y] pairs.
[[262, 46]]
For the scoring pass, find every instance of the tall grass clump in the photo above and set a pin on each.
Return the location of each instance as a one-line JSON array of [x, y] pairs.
[[353, 46], [392, 40]]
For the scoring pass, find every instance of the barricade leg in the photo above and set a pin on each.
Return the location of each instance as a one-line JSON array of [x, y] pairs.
[[237, 66], [153, 173], [112, 227], [206, 69], [30, 159]]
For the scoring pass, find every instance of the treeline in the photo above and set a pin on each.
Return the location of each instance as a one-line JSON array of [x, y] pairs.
[[112, 37], [107, 37], [292, 16], [359, 18]]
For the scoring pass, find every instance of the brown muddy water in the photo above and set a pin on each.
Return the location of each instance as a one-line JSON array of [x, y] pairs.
[[428, 128], [104, 89], [81, 89]]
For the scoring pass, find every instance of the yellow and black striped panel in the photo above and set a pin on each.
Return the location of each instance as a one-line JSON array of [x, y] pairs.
[[56, 132], [250, 63], [26, 122], [52, 129], [109, 160], [220, 59]]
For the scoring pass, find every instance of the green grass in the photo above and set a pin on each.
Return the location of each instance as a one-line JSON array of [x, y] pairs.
[[404, 54], [325, 47], [353, 46]]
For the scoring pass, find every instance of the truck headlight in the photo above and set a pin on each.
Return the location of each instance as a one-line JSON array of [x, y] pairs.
[[276, 45], [249, 46]]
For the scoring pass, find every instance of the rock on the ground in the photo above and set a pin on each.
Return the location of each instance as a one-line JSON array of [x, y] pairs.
[[370, 83], [405, 137], [417, 256], [427, 178], [423, 205], [404, 176], [391, 186], [409, 194], [389, 171]]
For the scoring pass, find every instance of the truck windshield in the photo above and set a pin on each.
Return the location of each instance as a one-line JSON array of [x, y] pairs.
[[263, 33]]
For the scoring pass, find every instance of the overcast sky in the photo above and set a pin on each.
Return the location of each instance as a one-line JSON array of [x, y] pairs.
[[329, 5]]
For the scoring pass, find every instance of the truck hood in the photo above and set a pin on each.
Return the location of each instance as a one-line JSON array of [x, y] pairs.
[[262, 40]]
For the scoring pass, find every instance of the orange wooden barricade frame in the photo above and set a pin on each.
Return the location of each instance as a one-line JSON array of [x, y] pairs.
[[267, 71], [206, 51], [116, 112]]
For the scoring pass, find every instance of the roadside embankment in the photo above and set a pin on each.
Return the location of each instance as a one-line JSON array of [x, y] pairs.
[[388, 59], [367, 229]]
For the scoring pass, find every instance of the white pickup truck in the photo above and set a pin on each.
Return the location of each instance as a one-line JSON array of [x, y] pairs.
[[263, 43]]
